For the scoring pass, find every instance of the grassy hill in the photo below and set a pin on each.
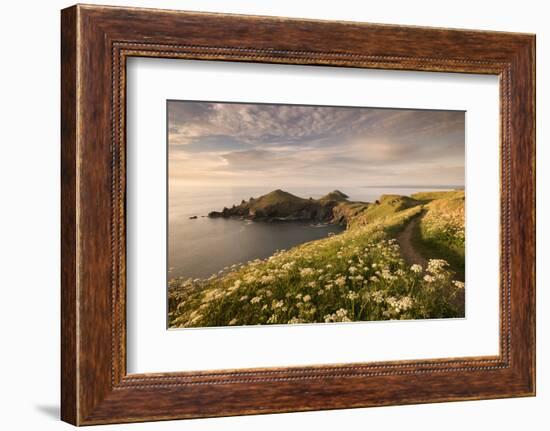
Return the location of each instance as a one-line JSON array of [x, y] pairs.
[[336, 196], [281, 205], [357, 275], [385, 207]]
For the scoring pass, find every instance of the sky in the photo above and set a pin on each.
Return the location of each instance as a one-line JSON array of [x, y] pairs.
[[236, 144]]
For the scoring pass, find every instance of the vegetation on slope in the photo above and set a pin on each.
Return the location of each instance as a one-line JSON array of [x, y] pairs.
[[441, 231], [385, 207], [357, 275], [281, 205]]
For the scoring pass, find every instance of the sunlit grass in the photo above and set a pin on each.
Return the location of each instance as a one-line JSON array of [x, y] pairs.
[[441, 231]]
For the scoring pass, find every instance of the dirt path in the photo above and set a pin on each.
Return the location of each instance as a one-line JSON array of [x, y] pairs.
[[404, 239]]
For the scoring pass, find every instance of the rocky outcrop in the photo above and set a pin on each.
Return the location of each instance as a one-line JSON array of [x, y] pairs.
[[345, 211], [279, 205]]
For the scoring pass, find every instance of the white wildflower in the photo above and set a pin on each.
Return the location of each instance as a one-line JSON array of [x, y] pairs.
[[341, 315], [458, 284], [352, 296], [416, 268], [340, 281], [436, 265], [304, 272], [276, 304]]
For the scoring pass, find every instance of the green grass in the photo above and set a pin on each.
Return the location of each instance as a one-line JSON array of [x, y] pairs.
[[430, 248], [385, 207], [445, 195], [440, 232]]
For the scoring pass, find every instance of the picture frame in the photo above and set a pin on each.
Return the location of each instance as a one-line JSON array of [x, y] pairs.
[[96, 42]]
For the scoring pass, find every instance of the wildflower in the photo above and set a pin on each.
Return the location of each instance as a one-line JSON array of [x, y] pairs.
[[287, 266], [266, 279], [235, 286], [352, 296], [429, 278], [458, 284], [416, 268], [377, 296], [304, 272], [233, 321], [352, 269], [255, 300], [386, 274], [276, 304], [399, 305], [436, 265], [405, 303], [243, 298], [249, 278], [306, 298], [341, 315], [340, 281], [312, 284]]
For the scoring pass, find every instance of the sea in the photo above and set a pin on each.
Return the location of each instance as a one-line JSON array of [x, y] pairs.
[[202, 246]]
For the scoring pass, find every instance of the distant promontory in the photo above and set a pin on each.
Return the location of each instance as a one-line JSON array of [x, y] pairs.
[[280, 205]]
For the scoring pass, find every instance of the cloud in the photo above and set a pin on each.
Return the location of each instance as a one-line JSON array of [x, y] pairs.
[[248, 158], [259, 142]]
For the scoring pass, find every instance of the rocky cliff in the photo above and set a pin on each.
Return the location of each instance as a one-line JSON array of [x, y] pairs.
[[279, 205]]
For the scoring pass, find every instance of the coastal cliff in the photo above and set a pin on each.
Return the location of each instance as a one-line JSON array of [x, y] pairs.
[[280, 205]]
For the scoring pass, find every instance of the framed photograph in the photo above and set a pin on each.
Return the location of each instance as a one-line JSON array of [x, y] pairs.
[[266, 215]]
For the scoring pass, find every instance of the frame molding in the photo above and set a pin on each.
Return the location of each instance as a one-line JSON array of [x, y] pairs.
[[96, 41]]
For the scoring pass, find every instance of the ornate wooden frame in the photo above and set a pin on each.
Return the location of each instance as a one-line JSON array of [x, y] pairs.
[[95, 42]]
